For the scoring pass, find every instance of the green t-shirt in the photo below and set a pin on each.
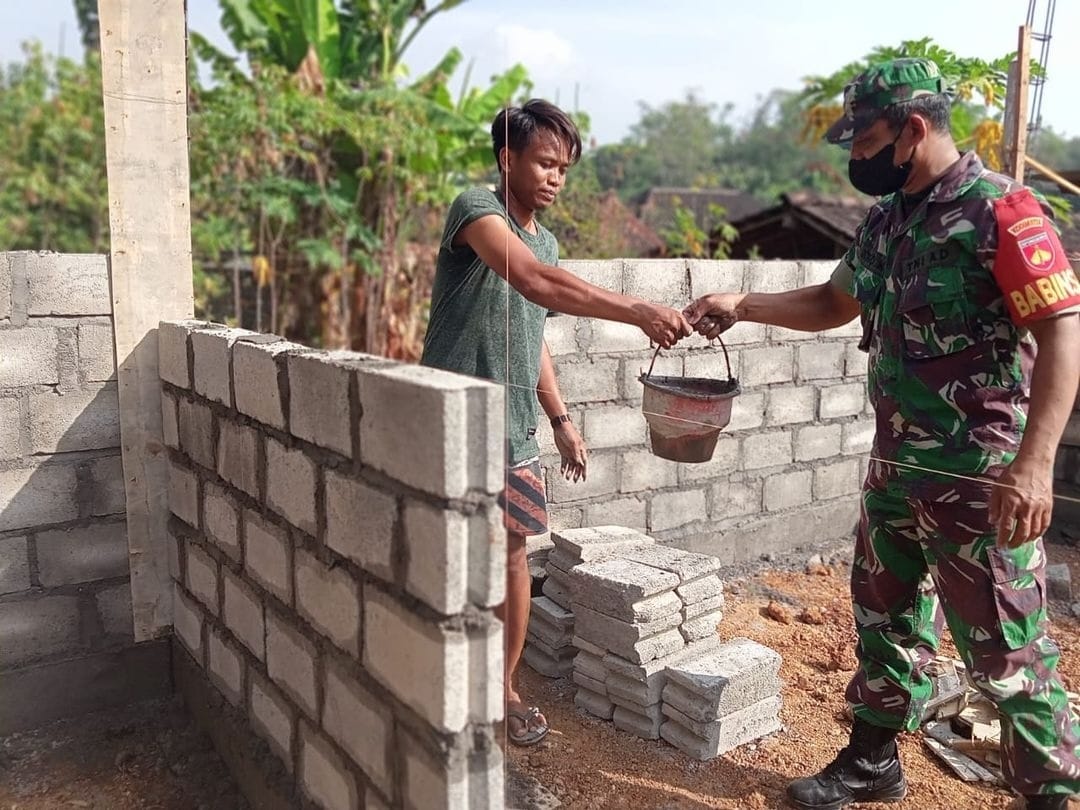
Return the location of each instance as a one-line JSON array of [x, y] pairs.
[[471, 306]]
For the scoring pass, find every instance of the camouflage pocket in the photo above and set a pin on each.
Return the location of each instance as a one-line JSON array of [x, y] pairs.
[[1018, 592], [934, 314]]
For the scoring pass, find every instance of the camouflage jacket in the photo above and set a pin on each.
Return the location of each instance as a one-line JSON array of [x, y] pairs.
[[949, 369]]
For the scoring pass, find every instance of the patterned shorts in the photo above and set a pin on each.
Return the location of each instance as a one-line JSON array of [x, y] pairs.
[[523, 500]]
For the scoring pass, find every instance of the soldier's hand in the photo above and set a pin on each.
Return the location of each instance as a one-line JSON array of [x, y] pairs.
[[663, 325], [714, 314], [1022, 503]]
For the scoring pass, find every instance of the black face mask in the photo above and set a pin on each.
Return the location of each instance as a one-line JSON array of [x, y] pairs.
[[876, 175]]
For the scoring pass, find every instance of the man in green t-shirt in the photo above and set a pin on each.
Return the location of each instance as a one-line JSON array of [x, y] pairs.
[[496, 282]]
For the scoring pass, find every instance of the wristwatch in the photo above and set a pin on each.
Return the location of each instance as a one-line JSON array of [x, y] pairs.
[[558, 420]]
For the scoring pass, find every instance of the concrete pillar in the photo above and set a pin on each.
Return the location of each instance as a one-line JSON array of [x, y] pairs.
[[144, 84]]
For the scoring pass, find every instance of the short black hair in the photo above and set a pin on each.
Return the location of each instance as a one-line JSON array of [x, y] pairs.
[[936, 109], [516, 126]]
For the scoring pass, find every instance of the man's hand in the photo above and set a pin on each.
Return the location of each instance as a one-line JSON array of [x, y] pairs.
[[663, 325], [1021, 506], [572, 449], [713, 314]]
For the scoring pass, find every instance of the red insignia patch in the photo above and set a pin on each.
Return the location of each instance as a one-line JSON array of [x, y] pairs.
[[1038, 251]]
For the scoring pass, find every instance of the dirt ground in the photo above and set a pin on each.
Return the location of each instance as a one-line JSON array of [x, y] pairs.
[[147, 756], [588, 764]]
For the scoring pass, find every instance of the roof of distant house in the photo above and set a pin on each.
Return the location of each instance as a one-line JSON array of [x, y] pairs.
[[658, 208]]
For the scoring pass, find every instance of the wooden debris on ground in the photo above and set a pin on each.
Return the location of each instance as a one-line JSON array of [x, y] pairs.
[[961, 727]]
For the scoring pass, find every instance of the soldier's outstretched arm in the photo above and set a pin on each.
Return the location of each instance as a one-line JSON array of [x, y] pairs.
[[1021, 508], [808, 309]]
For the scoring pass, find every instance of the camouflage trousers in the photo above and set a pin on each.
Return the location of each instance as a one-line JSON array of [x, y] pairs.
[[925, 555]]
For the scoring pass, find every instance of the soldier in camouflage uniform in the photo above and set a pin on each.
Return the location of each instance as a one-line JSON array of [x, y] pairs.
[[957, 274]]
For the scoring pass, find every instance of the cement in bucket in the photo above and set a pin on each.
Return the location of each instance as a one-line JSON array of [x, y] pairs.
[[686, 414]]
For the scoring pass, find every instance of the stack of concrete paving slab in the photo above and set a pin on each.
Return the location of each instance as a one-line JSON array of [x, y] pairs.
[[549, 642], [632, 621], [726, 698]]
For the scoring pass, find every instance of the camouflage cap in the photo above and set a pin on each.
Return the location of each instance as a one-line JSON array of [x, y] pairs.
[[868, 94]]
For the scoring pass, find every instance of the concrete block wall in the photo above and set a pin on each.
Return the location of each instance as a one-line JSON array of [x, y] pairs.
[[786, 471], [337, 552], [64, 574]]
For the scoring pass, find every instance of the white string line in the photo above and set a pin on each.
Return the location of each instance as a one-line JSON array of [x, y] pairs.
[[977, 480]]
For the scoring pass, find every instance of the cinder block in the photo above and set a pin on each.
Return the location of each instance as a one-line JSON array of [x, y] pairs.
[[272, 716], [815, 273], [726, 459], [188, 622], [360, 724], [781, 334], [10, 428], [561, 335], [457, 778], [772, 276], [855, 360], [255, 378], [291, 662], [669, 510], [786, 490], [196, 423], [614, 426], [737, 674], [243, 614], [319, 410], [641, 471], [589, 381], [330, 599], [360, 523], [594, 703], [237, 456], [771, 364], [202, 577], [67, 284], [820, 361], [711, 276], [631, 389], [77, 420], [67, 556], [730, 731], [14, 560], [97, 354], [817, 441], [762, 450], [848, 399], [37, 628], [102, 488], [221, 520], [745, 333], [268, 556], [607, 273], [183, 494], [858, 436], [564, 517], [30, 357], [612, 337], [170, 421], [629, 512], [226, 667], [454, 559], [173, 365], [602, 480], [661, 281], [5, 287], [790, 405], [736, 498], [835, 480], [114, 609], [711, 365], [37, 496], [747, 412], [433, 430], [398, 644], [290, 485], [211, 349], [324, 776]]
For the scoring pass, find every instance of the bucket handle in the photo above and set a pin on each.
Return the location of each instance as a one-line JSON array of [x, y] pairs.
[[727, 360]]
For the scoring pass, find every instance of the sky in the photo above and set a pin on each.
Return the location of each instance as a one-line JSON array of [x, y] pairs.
[[612, 55]]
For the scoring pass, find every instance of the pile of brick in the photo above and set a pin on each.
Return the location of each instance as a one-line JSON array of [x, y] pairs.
[[643, 622]]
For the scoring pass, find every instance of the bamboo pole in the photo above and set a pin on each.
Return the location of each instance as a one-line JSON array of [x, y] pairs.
[[1051, 174], [1017, 113]]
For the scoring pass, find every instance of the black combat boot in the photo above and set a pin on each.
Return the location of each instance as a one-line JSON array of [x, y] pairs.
[[1053, 801], [867, 770]]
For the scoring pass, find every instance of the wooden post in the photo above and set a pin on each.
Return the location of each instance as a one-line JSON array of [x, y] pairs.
[[144, 84], [1016, 107]]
